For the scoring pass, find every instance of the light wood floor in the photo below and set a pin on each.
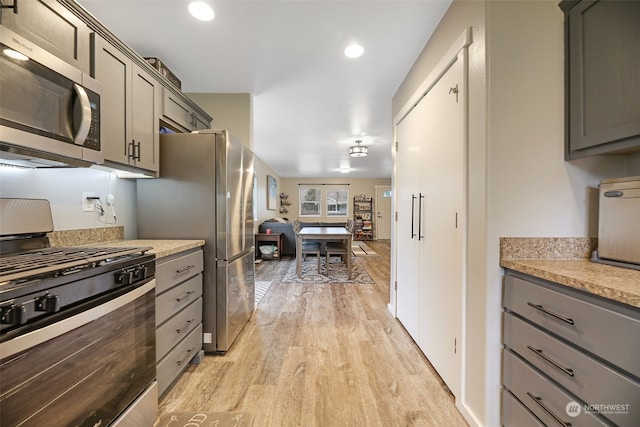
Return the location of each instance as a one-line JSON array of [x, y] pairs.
[[321, 355]]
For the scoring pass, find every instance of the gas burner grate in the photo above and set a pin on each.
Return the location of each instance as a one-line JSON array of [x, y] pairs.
[[50, 260]]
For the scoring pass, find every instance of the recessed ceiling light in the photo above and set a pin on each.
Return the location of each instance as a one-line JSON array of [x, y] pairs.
[[354, 51], [15, 55], [344, 169], [200, 10]]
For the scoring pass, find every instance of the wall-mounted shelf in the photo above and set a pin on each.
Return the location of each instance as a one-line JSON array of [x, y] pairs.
[[284, 203]]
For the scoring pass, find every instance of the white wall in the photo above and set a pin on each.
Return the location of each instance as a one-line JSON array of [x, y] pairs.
[[518, 181], [64, 187]]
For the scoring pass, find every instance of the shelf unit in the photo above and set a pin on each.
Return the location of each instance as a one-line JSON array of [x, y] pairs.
[[363, 218], [284, 203]]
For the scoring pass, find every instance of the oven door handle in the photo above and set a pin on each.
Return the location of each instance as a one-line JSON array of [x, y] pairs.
[[31, 339]]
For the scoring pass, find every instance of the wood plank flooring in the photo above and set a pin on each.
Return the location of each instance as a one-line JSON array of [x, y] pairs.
[[321, 355]]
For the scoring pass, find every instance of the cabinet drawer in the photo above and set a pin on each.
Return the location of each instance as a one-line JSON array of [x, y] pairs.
[[172, 271], [582, 375], [536, 392], [611, 335], [178, 359], [177, 327], [515, 414], [177, 298]]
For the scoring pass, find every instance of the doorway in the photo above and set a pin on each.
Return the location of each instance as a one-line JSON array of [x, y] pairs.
[[383, 212]]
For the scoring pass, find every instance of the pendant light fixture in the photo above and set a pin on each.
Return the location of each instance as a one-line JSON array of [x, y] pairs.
[[358, 150]]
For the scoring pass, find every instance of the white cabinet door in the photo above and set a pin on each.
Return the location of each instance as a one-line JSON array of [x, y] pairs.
[[430, 203], [410, 154], [442, 256]]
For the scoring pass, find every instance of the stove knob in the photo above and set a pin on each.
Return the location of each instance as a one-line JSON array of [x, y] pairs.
[[13, 314], [47, 303], [141, 272], [125, 277]]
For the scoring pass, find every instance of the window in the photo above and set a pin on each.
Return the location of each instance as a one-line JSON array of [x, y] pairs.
[[337, 201], [310, 201]]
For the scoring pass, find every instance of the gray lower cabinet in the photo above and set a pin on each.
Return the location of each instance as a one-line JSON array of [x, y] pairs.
[[51, 26], [178, 113], [602, 77], [178, 314], [130, 109], [569, 357]]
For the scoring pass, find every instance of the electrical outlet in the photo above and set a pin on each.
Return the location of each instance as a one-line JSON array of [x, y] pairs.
[[87, 204], [110, 199]]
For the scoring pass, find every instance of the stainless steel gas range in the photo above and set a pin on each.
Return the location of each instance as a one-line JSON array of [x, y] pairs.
[[77, 327]]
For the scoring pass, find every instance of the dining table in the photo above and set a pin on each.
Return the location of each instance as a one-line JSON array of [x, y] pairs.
[[326, 234]]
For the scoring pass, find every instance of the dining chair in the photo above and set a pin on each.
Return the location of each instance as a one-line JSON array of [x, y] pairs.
[[338, 248], [308, 247]]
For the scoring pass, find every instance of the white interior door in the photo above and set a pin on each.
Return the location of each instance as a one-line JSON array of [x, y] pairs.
[[430, 204], [407, 250], [442, 256], [383, 212]]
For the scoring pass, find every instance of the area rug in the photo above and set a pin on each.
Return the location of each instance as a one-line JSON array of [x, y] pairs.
[[193, 419], [262, 286], [359, 248], [337, 272]]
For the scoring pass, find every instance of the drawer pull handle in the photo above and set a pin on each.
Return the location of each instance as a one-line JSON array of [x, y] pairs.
[[538, 400], [185, 296], [550, 313], [186, 358], [187, 268], [539, 352], [189, 322]]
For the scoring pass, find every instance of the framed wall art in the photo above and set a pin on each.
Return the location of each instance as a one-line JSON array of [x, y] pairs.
[[272, 192]]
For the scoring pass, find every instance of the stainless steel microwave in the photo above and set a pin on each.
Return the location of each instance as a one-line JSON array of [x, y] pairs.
[[49, 110]]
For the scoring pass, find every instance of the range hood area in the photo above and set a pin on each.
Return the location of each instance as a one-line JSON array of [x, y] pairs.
[[24, 158]]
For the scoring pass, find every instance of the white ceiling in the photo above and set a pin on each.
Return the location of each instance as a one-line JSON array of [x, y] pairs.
[[310, 101]]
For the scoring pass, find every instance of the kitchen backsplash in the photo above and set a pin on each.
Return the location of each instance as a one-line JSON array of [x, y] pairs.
[[64, 189], [85, 236], [547, 247]]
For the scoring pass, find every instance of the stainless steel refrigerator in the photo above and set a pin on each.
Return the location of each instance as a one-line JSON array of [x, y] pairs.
[[205, 191]]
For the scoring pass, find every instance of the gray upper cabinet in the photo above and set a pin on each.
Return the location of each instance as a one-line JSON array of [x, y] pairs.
[[177, 112], [131, 105], [51, 26], [602, 77]]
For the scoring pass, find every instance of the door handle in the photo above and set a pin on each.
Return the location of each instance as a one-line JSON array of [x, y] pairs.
[[413, 209], [420, 236], [13, 6]]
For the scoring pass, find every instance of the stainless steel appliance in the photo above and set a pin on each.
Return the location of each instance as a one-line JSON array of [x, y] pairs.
[[206, 192], [619, 222], [77, 337], [49, 110]]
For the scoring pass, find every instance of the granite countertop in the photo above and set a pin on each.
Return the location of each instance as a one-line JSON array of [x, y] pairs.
[[161, 247], [560, 265]]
